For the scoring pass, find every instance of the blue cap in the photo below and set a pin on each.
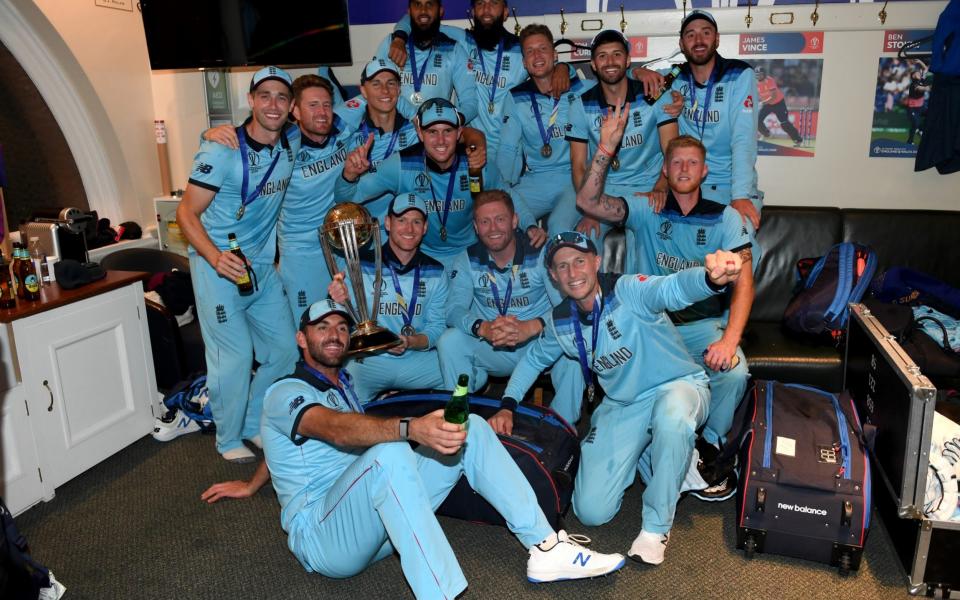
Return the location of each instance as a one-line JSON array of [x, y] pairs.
[[320, 309], [404, 202], [695, 14], [607, 36], [438, 110], [275, 73], [377, 65], [567, 239]]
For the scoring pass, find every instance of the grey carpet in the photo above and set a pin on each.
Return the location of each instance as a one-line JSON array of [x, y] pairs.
[[134, 527]]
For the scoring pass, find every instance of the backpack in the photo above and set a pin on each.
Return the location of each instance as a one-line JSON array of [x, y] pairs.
[[190, 398], [839, 277], [21, 576], [902, 285]]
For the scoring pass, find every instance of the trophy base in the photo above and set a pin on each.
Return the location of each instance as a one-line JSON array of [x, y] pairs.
[[370, 338]]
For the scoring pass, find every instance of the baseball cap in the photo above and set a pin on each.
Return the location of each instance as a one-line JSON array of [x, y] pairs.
[[606, 36], [438, 110], [695, 14], [404, 202], [274, 73], [377, 65], [567, 239], [320, 309]]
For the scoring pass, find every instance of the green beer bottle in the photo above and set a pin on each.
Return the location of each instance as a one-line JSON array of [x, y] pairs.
[[458, 408]]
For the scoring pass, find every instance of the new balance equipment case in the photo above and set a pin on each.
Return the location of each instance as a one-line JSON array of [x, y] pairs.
[[804, 488], [893, 395], [543, 445]]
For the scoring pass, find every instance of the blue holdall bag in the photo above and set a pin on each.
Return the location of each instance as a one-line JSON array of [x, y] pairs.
[[839, 277]]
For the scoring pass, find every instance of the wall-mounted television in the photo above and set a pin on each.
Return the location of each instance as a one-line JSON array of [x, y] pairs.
[[192, 34]]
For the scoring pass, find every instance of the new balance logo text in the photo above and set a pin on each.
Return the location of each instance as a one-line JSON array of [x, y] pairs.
[[802, 509]]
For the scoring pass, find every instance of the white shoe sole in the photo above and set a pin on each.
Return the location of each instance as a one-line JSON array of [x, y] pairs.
[[640, 559], [564, 575]]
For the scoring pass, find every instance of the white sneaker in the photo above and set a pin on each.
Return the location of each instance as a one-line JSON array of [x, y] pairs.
[[172, 425], [566, 559], [649, 547], [240, 456], [693, 480]]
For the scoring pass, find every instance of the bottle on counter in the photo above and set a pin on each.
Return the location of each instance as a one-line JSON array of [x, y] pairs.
[[8, 291]]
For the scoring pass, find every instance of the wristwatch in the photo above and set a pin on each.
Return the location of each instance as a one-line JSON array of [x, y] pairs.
[[475, 328], [405, 428]]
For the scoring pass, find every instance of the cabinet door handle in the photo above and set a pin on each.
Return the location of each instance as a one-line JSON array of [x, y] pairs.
[[47, 385]]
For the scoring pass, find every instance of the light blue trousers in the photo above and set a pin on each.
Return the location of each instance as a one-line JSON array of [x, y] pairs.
[[726, 387], [413, 370], [386, 500], [550, 193], [661, 426], [236, 329], [463, 353], [305, 278]]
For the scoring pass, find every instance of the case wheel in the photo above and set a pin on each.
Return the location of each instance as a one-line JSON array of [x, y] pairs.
[[749, 547], [843, 565]]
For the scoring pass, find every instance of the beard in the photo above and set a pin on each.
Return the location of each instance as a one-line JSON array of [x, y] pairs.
[[699, 62], [611, 80], [488, 37], [317, 354], [423, 37]]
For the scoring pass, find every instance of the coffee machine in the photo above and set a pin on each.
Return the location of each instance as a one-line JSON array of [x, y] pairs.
[[63, 232]]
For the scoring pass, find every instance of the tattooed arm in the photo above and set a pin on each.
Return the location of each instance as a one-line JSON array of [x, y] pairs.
[[590, 197]]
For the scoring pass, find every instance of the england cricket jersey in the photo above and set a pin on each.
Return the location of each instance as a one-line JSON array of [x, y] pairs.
[[670, 241], [436, 71], [638, 157], [721, 114], [533, 121], [637, 348], [221, 169], [481, 290], [310, 192]]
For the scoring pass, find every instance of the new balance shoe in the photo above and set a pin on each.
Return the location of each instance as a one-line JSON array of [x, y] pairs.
[[722, 490], [561, 557], [649, 547], [172, 425]]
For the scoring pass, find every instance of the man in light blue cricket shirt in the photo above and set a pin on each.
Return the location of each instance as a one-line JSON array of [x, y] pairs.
[[533, 156], [719, 110], [637, 159], [499, 295], [679, 237], [436, 170], [352, 491], [617, 327], [239, 192], [413, 302], [436, 64]]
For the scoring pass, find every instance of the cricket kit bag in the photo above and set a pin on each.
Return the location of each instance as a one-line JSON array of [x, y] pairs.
[[543, 445], [804, 483]]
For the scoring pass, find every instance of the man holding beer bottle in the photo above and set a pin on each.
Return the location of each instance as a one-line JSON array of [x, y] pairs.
[[238, 192]]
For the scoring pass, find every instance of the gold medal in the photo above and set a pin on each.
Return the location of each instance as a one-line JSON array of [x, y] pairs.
[[443, 234], [615, 163], [240, 211], [546, 151], [491, 107], [407, 331]]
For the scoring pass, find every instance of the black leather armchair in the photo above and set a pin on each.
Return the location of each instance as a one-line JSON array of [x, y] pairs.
[[177, 351]]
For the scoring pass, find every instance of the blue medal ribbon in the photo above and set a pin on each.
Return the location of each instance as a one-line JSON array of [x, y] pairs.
[[408, 309], [351, 400], [578, 336], [244, 198], [502, 308], [365, 129], [496, 69], [536, 116], [692, 84], [417, 77], [449, 197]]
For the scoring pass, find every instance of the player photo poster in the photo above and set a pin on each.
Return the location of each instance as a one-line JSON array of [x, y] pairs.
[[788, 89], [902, 93]]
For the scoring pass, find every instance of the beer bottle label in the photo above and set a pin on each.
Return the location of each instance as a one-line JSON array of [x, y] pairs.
[[31, 283], [244, 279]]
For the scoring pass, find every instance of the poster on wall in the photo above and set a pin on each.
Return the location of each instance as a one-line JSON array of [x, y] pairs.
[[789, 90], [901, 96]]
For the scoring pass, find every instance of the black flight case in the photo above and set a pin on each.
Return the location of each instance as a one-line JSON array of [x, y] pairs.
[[892, 394]]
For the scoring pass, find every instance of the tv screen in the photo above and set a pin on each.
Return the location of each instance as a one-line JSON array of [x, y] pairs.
[[191, 34]]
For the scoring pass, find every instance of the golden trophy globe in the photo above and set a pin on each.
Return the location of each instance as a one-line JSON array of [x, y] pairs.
[[346, 230]]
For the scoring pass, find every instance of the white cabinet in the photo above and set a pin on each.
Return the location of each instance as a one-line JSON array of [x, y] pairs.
[[21, 467], [86, 376]]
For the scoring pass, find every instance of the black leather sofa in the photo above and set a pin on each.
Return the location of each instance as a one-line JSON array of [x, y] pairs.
[[921, 239]]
